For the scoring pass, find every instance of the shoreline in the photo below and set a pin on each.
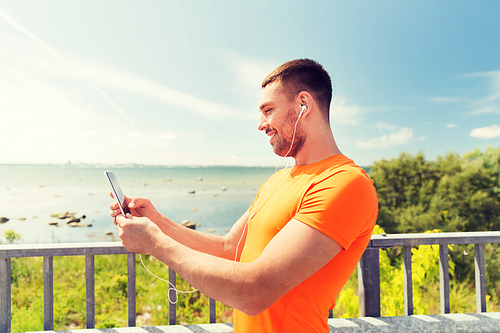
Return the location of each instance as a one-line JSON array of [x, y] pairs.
[[32, 193]]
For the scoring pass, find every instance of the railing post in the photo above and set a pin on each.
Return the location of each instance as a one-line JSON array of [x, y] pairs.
[[408, 282], [131, 290], [480, 278], [90, 290], [369, 283], [444, 279], [48, 293], [5, 295], [212, 311], [172, 310]]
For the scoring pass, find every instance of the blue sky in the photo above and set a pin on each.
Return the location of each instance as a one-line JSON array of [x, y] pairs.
[[178, 82]]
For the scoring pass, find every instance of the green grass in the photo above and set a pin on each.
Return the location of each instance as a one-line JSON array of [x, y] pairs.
[[152, 294], [110, 295]]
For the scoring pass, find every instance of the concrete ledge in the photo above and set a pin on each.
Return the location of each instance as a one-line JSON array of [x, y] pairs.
[[476, 322], [457, 322]]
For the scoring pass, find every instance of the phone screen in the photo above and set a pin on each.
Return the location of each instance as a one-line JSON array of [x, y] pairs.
[[117, 192]]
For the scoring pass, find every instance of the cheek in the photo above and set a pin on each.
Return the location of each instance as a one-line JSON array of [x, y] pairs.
[[273, 122]]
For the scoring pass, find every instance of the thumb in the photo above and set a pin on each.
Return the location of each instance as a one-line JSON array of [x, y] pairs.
[[133, 203]]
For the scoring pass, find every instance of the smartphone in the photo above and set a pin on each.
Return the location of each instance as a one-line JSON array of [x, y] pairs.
[[117, 192]]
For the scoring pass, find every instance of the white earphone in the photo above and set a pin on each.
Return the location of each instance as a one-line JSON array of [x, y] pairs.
[[302, 109]]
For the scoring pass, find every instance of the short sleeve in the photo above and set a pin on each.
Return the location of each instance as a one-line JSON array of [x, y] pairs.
[[341, 206]]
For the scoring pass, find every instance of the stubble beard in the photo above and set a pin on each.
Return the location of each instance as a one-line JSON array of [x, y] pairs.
[[284, 139]]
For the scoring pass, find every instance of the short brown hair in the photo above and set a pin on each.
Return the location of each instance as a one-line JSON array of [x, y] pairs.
[[304, 75]]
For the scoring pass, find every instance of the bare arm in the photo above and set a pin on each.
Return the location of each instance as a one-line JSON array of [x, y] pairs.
[[219, 246], [294, 254]]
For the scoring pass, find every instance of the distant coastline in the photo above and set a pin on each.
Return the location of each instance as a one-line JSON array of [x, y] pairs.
[[35, 193]]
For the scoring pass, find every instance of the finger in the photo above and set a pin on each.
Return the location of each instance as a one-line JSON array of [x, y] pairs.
[[111, 195], [138, 202], [121, 220], [120, 233], [134, 203], [115, 212]]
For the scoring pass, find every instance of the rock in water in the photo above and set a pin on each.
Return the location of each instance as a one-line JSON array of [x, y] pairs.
[[189, 224]]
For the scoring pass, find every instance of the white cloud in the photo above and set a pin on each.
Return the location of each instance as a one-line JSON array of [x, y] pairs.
[[114, 139], [105, 75], [385, 126], [489, 103], [168, 136], [486, 104], [135, 135], [343, 113], [484, 110], [52, 109], [90, 133], [52, 53], [488, 132], [449, 100], [249, 72], [388, 140], [451, 125], [10, 20], [49, 62]]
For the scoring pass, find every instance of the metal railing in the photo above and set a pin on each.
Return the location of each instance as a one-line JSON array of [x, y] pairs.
[[368, 273], [369, 267], [89, 250]]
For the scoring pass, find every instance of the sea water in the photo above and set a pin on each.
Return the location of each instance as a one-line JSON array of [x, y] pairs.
[[30, 194]]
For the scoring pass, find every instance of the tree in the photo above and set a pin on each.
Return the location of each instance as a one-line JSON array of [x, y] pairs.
[[453, 193]]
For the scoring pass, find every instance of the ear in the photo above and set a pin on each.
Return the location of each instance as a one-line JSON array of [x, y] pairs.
[[306, 99]]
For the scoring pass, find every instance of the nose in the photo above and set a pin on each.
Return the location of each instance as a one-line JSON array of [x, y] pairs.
[[263, 123]]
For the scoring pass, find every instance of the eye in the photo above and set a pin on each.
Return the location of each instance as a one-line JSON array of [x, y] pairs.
[[267, 112]]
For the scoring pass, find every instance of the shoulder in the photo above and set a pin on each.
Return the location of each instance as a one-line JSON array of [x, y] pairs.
[[342, 171]]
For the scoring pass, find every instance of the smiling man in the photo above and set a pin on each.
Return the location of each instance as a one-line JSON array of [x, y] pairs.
[[286, 259]]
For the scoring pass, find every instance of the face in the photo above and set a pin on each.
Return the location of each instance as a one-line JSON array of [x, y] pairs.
[[279, 121]]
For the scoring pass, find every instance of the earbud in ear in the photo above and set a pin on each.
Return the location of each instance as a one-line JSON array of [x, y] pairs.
[[302, 109]]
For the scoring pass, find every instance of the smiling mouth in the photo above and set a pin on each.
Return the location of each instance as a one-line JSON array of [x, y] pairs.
[[271, 134]]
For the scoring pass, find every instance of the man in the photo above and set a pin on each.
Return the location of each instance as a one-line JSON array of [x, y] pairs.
[[286, 259]]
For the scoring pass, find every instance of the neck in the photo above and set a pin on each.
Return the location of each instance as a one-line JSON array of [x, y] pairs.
[[319, 145]]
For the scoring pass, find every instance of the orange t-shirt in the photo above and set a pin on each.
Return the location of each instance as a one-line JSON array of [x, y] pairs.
[[334, 196]]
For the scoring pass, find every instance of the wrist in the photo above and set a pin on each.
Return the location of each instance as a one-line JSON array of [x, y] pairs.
[[157, 217], [163, 245]]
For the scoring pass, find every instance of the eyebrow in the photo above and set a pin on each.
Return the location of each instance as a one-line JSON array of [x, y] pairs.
[[263, 106]]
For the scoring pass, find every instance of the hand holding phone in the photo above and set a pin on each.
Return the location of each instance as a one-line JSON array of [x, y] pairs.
[[117, 192]]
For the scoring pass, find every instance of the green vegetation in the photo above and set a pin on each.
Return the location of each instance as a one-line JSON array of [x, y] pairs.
[[453, 193], [426, 296], [11, 237], [110, 291]]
